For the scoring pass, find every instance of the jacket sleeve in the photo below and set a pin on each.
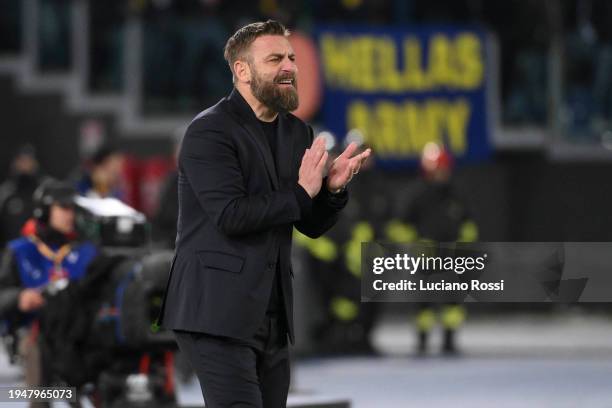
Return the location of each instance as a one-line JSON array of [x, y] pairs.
[[10, 285], [210, 162], [320, 213]]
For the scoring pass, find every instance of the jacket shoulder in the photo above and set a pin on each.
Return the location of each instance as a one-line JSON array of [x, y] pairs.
[[7, 190], [20, 244], [213, 118], [87, 248]]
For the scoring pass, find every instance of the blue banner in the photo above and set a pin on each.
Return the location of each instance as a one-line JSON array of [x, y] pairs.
[[402, 88]]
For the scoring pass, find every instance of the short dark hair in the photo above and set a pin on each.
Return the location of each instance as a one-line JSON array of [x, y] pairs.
[[104, 152], [242, 39]]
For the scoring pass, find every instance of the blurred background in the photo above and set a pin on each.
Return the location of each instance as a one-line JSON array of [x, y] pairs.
[[489, 121]]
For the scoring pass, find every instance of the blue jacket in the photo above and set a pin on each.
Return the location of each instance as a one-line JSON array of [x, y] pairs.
[[23, 266], [34, 268]]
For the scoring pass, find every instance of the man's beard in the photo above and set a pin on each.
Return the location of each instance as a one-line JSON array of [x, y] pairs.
[[272, 95]]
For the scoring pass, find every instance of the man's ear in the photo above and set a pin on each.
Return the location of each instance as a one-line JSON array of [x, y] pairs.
[[242, 70]]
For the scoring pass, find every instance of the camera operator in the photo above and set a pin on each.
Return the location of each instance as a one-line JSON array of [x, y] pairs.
[[38, 265]]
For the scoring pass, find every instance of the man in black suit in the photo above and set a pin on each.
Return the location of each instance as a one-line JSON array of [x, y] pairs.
[[249, 172]]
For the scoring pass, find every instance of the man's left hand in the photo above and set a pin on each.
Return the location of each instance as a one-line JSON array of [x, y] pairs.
[[345, 167]]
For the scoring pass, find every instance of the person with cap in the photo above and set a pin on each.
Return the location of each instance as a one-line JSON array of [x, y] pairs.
[[437, 214], [16, 203], [41, 263]]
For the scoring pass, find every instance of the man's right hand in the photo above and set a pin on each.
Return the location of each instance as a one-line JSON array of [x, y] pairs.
[[312, 167], [30, 299]]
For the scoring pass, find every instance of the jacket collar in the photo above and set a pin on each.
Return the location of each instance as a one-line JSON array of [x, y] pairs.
[[284, 149]]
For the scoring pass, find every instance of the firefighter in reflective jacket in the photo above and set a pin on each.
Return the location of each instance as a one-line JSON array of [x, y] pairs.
[[334, 262], [436, 214]]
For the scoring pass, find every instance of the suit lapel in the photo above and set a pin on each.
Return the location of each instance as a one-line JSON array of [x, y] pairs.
[[247, 119], [284, 148]]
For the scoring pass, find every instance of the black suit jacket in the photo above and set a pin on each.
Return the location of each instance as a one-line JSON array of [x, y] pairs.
[[237, 210]]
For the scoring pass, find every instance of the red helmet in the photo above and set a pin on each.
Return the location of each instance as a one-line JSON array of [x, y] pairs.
[[435, 157]]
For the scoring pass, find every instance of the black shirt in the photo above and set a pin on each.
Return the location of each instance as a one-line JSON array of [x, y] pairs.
[[275, 305], [271, 130]]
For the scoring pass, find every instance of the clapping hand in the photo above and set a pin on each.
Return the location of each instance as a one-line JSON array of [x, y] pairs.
[[345, 167], [313, 167]]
